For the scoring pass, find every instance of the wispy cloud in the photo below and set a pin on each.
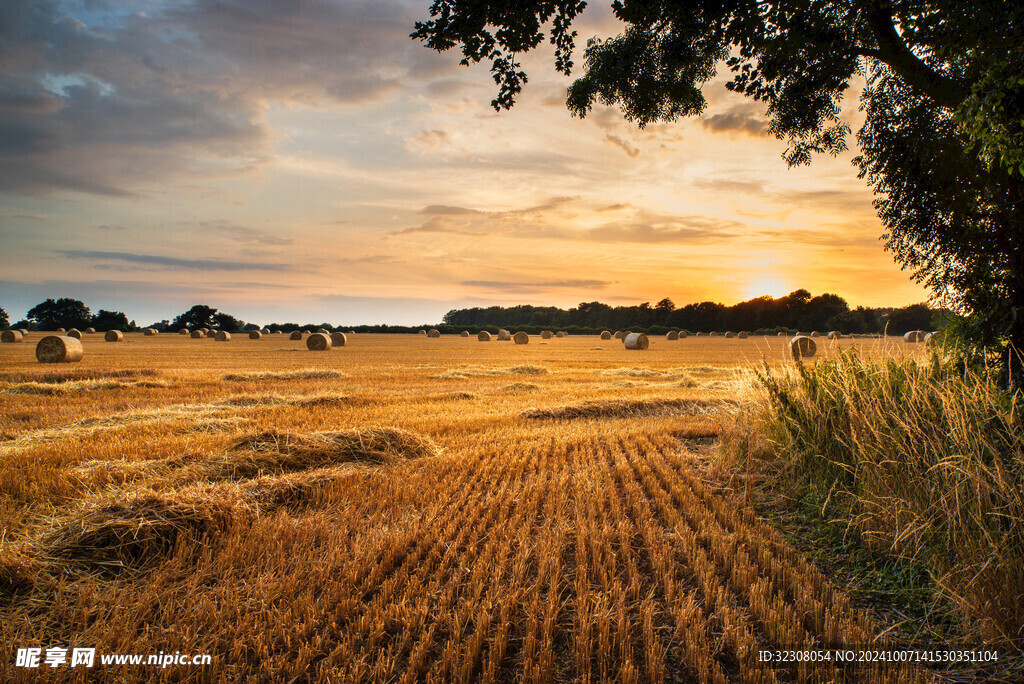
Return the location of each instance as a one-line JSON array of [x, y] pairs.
[[740, 118], [174, 262]]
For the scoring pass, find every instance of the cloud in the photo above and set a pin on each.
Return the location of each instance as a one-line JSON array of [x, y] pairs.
[[432, 140], [173, 262], [631, 151], [242, 234], [444, 210], [503, 284], [106, 99], [741, 118]]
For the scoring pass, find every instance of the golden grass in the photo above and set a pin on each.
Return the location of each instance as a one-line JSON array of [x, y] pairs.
[[391, 515]]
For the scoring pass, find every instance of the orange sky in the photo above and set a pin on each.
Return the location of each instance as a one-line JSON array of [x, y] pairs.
[[306, 161]]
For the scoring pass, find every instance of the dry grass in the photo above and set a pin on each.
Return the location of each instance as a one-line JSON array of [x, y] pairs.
[[360, 522]]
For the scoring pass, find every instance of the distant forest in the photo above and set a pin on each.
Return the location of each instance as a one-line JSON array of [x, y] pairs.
[[797, 311]]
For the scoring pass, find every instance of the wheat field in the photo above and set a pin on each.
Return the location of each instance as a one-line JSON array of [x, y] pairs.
[[402, 509]]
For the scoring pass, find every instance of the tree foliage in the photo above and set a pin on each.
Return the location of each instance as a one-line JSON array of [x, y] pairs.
[[943, 143], [4, 320], [110, 320], [199, 316], [60, 313]]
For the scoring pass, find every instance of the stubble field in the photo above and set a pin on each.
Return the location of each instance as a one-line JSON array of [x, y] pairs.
[[400, 509]]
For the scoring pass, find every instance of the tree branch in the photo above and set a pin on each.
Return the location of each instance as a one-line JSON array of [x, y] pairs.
[[893, 52]]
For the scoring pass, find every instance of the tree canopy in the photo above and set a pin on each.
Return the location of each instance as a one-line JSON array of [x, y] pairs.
[[60, 313], [943, 142]]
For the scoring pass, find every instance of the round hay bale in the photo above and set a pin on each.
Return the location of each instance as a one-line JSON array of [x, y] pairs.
[[636, 341], [504, 335], [318, 342], [222, 336], [338, 339], [464, 333], [255, 334], [781, 334], [74, 332], [58, 349], [700, 334], [672, 335], [11, 336], [683, 334], [279, 332], [60, 330], [90, 331], [729, 335], [743, 334], [184, 331], [295, 335], [815, 334], [561, 333], [265, 331], [197, 334], [606, 335], [546, 335], [914, 336], [323, 331], [149, 332], [934, 338], [521, 338], [205, 331], [422, 332], [483, 336], [835, 335], [801, 347], [620, 334], [113, 336], [714, 334], [434, 332], [23, 331]]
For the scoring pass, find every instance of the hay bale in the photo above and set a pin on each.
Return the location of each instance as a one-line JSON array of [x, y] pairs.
[[23, 331], [561, 333], [683, 334], [422, 332], [483, 336], [815, 334], [700, 334], [60, 330], [914, 336], [318, 342], [742, 335], [781, 334], [504, 335], [74, 332], [802, 347], [205, 331], [835, 335], [113, 336], [255, 334], [714, 334], [58, 349], [729, 335], [322, 331], [546, 335], [606, 335], [11, 336], [620, 334], [636, 341], [934, 338], [279, 332], [197, 334], [338, 339], [672, 335], [295, 335], [183, 331], [222, 336], [434, 332], [149, 332], [90, 331], [464, 333], [521, 338]]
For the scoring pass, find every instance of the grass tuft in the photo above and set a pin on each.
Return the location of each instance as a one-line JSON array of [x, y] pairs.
[[306, 374]]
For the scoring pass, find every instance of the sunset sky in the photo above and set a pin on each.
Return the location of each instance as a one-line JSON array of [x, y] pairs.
[[307, 161]]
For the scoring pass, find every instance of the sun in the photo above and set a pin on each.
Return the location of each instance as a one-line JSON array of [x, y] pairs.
[[773, 287]]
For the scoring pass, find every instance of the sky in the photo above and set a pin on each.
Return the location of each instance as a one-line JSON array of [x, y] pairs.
[[307, 161]]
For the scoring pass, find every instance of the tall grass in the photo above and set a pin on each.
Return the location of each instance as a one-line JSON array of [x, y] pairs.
[[922, 461]]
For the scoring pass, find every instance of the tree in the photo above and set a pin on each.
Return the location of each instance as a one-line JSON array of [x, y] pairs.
[[4, 321], [223, 321], [60, 313], [913, 317], [110, 320], [943, 140], [199, 316]]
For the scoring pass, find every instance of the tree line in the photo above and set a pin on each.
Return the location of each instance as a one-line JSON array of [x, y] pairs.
[[795, 312]]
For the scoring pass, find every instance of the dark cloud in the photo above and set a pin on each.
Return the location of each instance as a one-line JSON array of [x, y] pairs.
[[742, 118], [174, 262], [110, 97]]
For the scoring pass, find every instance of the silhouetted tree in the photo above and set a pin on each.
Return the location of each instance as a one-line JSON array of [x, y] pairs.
[[60, 313]]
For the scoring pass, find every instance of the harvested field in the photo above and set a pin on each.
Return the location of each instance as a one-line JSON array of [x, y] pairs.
[[403, 512]]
